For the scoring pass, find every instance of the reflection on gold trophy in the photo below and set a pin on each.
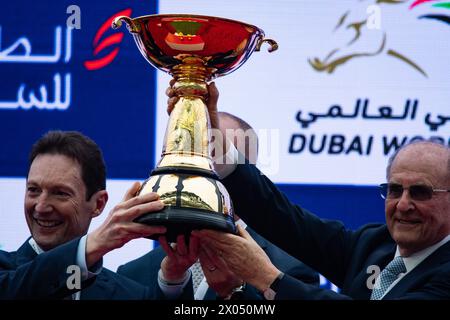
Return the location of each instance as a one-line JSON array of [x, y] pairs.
[[194, 50]]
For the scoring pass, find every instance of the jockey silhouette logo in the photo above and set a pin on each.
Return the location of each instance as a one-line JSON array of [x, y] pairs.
[[336, 58]]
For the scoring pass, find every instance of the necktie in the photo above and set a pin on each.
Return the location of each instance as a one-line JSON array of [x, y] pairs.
[[387, 276], [197, 275]]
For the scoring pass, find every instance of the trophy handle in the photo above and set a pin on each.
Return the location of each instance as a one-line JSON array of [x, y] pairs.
[[273, 44], [131, 26]]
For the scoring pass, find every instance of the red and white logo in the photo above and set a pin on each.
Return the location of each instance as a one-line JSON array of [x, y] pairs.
[[100, 46]]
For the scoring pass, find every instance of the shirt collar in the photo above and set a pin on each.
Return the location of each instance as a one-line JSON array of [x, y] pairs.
[[35, 246], [413, 260]]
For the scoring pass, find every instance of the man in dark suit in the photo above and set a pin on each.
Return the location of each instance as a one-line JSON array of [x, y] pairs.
[[406, 258], [65, 189], [218, 281]]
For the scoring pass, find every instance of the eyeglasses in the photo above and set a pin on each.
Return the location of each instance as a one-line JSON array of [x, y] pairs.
[[416, 192]]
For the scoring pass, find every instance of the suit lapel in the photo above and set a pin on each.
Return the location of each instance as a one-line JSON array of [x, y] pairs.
[[423, 270], [358, 287], [101, 284], [210, 294], [101, 288], [25, 254]]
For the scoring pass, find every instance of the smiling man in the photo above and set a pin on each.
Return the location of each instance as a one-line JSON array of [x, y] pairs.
[[417, 197], [65, 189], [406, 258], [56, 200]]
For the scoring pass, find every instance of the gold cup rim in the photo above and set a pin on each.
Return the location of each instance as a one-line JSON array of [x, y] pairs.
[[189, 15]]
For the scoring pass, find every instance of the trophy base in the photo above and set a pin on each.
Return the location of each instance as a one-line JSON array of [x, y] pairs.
[[184, 220]]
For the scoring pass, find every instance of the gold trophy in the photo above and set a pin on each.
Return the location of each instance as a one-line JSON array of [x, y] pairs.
[[193, 49]]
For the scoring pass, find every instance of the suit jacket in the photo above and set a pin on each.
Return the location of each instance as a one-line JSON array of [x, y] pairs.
[[341, 255], [145, 269], [26, 275]]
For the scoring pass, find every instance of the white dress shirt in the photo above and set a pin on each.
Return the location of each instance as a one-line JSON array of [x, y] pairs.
[[415, 259]]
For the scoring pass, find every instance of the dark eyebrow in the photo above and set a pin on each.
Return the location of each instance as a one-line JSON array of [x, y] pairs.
[[56, 186], [64, 187]]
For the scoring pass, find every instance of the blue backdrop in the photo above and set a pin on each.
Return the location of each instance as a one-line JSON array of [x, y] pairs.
[[106, 89], [354, 205]]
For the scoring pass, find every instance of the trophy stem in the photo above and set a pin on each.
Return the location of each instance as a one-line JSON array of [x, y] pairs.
[[191, 71], [186, 143]]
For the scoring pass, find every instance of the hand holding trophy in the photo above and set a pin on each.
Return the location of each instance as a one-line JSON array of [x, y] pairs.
[[193, 49]]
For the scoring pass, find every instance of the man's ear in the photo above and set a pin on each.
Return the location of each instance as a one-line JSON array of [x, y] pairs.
[[100, 198]]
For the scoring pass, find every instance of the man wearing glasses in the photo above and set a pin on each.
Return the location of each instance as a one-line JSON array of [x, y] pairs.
[[406, 258]]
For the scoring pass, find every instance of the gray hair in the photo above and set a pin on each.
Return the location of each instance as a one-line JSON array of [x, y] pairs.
[[418, 142]]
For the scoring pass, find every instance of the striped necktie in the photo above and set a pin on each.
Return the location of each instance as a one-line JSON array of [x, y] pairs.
[[197, 275], [387, 277]]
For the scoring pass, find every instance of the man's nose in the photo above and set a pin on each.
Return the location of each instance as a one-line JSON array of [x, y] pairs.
[[43, 203], [405, 202]]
